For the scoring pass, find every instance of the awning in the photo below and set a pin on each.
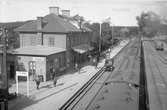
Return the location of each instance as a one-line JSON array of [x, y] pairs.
[[83, 48]]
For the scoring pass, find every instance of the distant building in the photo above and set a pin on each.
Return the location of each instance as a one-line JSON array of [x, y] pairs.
[[52, 41]]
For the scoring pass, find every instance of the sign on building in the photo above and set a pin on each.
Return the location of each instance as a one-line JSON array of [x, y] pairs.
[[38, 58]]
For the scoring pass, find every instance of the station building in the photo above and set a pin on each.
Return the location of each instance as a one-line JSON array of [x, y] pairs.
[[52, 41]]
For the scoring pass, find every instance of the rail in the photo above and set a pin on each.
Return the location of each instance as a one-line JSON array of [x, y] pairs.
[[85, 86], [80, 91]]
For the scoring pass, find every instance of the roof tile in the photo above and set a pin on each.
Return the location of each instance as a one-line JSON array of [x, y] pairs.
[[51, 23]]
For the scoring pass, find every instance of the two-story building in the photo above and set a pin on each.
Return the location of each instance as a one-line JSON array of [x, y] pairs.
[[51, 41]]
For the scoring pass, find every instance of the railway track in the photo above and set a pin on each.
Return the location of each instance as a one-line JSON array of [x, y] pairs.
[[161, 57], [156, 72], [164, 61], [161, 74], [73, 101], [120, 79], [154, 82], [80, 93], [70, 104], [106, 82]]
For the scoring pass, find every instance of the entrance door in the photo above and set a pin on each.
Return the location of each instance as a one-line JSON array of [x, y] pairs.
[[12, 75], [32, 69]]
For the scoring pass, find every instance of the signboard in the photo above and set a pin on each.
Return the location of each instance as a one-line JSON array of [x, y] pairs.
[[22, 74], [38, 58]]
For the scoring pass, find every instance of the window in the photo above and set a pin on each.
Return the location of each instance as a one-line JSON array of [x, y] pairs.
[[33, 40], [51, 41]]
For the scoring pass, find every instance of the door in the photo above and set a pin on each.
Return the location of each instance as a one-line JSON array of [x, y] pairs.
[[32, 69], [12, 75]]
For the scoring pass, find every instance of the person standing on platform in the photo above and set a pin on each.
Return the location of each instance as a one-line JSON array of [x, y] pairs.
[[37, 80], [76, 66], [54, 77], [95, 62]]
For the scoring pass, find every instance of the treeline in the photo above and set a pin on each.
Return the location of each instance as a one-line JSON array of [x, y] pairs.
[[12, 36], [151, 24], [109, 33]]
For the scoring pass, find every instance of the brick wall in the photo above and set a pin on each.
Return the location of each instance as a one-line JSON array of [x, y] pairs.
[[30, 39], [40, 64], [58, 40]]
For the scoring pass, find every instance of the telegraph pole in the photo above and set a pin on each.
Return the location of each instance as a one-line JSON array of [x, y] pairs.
[[4, 71], [100, 38]]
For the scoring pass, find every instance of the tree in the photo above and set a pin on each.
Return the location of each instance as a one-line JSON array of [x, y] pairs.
[[105, 33], [124, 32], [95, 30], [79, 19], [12, 36], [149, 23]]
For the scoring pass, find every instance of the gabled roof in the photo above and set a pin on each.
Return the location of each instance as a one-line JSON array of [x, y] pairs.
[[28, 27], [51, 23], [38, 50]]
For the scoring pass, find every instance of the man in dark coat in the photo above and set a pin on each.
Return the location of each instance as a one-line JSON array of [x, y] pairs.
[[37, 80], [54, 77]]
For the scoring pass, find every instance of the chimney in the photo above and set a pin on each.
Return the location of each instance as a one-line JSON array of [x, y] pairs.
[[39, 23], [39, 33], [66, 13], [54, 10]]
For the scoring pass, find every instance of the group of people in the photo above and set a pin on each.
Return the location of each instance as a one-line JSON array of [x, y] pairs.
[[95, 60], [53, 77]]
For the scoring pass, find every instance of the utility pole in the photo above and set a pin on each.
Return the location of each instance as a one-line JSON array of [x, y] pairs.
[[4, 71], [99, 38], [112, 35]]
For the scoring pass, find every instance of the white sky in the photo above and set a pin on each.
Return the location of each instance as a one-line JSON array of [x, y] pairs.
[[121, 12]]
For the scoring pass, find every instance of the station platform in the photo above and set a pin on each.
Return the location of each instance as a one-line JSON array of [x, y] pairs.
[[52, 98]]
